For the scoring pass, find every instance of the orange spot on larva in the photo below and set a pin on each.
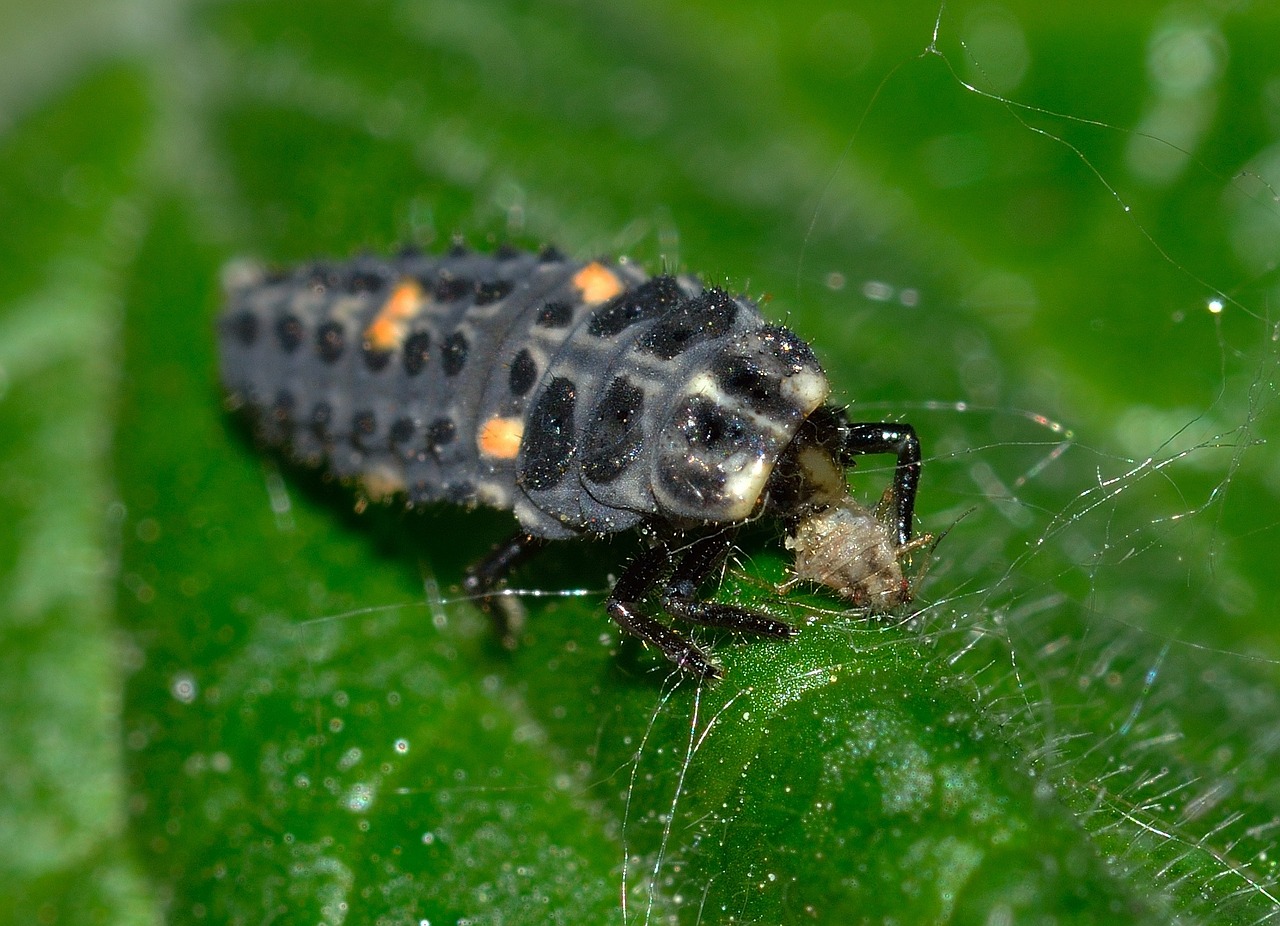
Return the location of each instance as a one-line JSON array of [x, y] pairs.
[[500, 438], [387, 329], [597, 283]]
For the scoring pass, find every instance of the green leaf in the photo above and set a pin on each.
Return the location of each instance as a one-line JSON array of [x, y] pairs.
[[68, 232], [1044, 237]]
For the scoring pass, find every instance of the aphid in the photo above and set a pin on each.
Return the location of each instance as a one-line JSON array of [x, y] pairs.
[[587, 398]]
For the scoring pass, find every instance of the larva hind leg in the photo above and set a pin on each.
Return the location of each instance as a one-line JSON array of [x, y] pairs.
[[484, 579]]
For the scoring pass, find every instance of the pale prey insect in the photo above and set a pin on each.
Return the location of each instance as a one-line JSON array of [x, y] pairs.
[[587, 398]]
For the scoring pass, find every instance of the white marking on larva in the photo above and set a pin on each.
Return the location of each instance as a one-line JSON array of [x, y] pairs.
[[705, 385], [805, 389], [825, 476], [382, 481], [493, 495], [242, 274], [745, 485]]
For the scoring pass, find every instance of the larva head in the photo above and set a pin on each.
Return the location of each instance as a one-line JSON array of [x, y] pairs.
[[731, 422]]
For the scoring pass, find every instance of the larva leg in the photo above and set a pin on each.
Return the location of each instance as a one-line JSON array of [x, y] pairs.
[[625, 607], [680, 594], [487, 576]]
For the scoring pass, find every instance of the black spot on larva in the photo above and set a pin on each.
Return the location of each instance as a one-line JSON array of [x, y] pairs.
[[506, 251], [417, 351], [408, 252], [648, 300], [555, 315], [708, 427], [704, 318], [321, 420], [374, 359], [365, 281], [523, 373], [614, 434], [322, 275], [401, 432], [789, 349], [363, 425], [331, 338], [458, 249], [289, 333], [711, 428], [440, 433], [744, 379], [453, 353], [549, 436], [283, 407], [550, 255], [448, 288], [490, 291], [243, 326]]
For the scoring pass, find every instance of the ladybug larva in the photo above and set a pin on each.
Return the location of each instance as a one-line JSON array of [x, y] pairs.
[[586, 397]]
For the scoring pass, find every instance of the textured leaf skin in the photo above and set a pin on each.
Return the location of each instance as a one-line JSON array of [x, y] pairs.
[[64, 171], [288, 724]]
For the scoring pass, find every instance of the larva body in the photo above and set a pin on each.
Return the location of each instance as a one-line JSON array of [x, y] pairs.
[[586, 397]]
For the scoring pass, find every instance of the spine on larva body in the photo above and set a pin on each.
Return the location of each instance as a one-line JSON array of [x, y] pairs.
[[584, 396]]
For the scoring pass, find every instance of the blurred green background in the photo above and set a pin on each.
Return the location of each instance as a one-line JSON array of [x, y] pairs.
[[1045, 236]]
